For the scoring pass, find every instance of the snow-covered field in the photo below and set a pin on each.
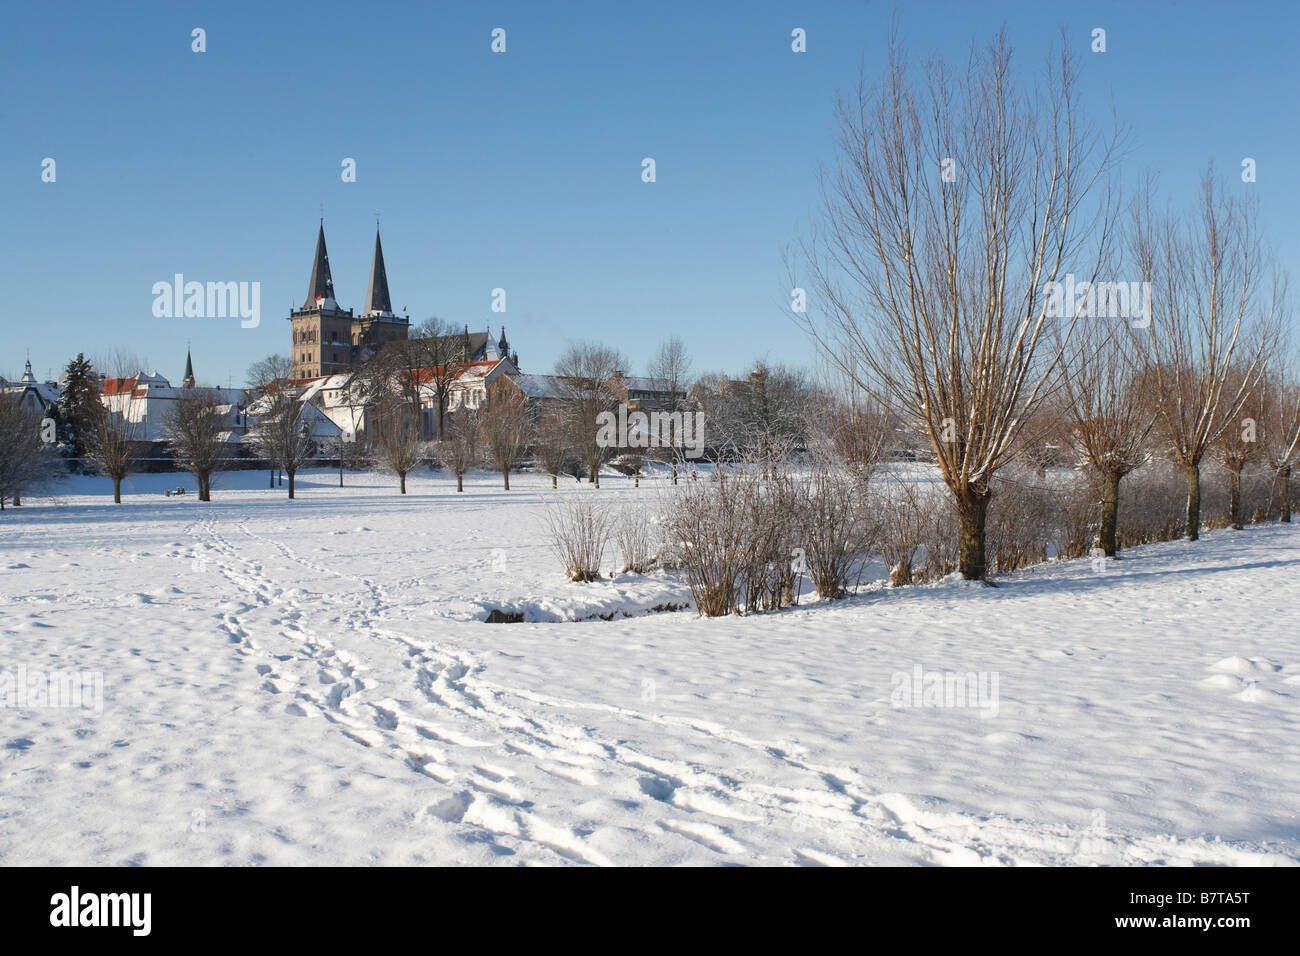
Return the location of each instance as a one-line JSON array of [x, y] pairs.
[[310, 682]]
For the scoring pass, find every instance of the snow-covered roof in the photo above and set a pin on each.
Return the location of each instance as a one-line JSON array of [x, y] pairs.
[[540, 386], [47, 393], [638, 383]]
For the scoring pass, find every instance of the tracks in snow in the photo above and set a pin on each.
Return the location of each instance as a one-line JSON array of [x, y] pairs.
[[514, 763]]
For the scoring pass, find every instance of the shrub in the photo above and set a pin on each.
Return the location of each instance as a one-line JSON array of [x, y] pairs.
[[634, 537], [579, 528], [835, 525]]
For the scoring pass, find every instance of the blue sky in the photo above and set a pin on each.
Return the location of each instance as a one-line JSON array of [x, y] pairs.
[[523, 170]]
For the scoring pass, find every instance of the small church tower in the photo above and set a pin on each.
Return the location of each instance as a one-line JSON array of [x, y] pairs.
[[188, 380]]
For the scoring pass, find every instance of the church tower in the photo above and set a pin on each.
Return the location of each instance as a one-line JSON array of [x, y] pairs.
[[378, 324], [322, 330]]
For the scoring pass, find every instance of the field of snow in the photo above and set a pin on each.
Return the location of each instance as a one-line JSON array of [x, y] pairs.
[[310, 682]]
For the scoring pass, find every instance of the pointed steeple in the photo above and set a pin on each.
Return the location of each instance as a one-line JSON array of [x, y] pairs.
[[377, 299], [188, 380], [502, 345], [322, 283]]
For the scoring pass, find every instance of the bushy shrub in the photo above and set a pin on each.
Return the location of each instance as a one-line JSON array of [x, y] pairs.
[[903, 523], [837, 530], [580, 526], [746, 539], [634, 536]]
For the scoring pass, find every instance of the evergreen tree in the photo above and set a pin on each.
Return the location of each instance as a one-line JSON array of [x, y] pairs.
[[79, 406]]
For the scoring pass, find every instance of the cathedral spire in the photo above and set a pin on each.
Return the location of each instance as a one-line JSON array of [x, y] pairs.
[[321, 290], [377, 299]]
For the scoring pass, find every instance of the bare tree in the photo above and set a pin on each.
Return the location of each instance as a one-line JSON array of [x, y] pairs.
[[670, 371], [764, 415], [446, 350], [283, 435], [113, 444], [458, 450], [849, 427], [551, 441], [504, 426], [775, 405], [197, 433], [275, 372], [586, 370], [1209, 327], [1238, 444], [1107, 417], [428, 360], [26, 460], [398, 436], [951, 215], [270, 371], [112, 447], [1280, 422]]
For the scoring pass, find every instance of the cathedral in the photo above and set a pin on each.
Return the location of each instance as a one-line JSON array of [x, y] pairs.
[[327, 339]]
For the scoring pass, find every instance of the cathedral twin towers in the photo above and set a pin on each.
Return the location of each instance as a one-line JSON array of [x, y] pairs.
[[326, 338]]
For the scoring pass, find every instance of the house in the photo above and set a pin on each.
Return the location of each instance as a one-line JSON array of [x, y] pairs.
[[641, 394], [39, 398], [323, 429]]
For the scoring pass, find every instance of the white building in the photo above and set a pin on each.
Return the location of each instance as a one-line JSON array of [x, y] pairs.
[[148, 401], [342, 399], [39, 398]]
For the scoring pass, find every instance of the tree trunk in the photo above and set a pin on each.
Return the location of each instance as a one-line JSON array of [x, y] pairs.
[[290, 484], [117, 491], [460, 482], [272, 484], [203, 488], [280, 475], [506, 475], [1193, 473], [1109, 512], [18, 499], [972, 510], [1234, 499], [402, 477], [555, 481], [1286, 495], [636, 480], [340, 470]]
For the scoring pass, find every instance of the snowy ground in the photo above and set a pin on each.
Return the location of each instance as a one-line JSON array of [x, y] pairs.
[[310, 682]]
